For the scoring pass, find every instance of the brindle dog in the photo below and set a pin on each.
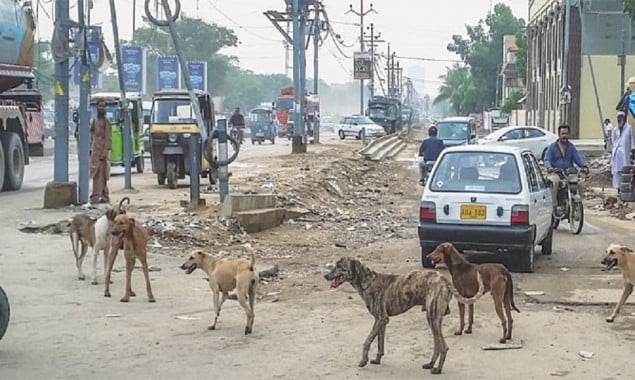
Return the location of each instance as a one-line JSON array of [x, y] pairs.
[[387, 295]]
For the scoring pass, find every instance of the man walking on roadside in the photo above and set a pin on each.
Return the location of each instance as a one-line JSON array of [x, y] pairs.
[[100, 155]]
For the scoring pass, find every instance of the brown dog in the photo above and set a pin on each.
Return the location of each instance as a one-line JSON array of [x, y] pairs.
[[225, 275], [135, 241], [387, 295], [624, 258], [496, 279]]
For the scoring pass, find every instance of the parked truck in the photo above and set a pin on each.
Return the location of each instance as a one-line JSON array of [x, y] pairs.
[[17, 26], [285, 104], [385, 112]]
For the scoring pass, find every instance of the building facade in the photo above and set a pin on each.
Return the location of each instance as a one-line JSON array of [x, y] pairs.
[[599, 32]]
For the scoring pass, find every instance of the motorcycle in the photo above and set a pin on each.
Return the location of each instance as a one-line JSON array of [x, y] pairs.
[[569, 203], [4, 312], [237, 134], [425, 167]]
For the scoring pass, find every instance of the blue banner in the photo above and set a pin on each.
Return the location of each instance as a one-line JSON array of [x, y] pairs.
[[94, 73], [198, 74], [168, 74], [133, 59]]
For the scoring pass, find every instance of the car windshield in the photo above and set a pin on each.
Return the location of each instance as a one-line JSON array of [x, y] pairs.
[[477, 172], [259, 117], [376, 112], [362, 120], [172, 111], [447, 130], [284, 104], [112, 112]]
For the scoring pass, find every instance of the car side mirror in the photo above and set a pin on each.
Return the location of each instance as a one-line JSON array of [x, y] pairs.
[[473, 136]]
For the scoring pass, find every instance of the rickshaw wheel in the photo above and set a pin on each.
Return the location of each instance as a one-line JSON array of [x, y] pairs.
[[139, 163], [161, 179], [253, 141], [171, 175]]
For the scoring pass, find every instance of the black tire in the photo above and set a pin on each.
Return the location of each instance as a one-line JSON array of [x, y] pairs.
[[521, 261], [542, 156], [425, 261], [576, 218], [13, 161], [36, 150], [5, 312], [212, 176], [359, 136], [2, 166], [253, 141], [547, 243], [341, 134], [161, 179], [171, 174], [139, 163], [273, 141]]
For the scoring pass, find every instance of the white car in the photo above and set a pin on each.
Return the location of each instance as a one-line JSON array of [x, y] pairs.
[[353, 125], [490, 199], [537, 140], [326, 123]]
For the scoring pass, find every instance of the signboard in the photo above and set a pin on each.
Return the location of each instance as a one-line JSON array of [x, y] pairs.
[[198, 74], [93, 50], [134, 68], [168, 73], [362, 66]]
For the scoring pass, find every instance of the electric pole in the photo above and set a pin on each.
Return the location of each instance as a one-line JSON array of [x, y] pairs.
[[134, 17], [299, 11], [388, 84], [316, 72], [361, 15], [83, 139], [373, 43], [60, 169]]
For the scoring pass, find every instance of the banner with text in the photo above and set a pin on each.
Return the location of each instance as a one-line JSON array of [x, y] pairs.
[[93, 51], [134, 68], [198, 74], [362, 66], [168, 73]]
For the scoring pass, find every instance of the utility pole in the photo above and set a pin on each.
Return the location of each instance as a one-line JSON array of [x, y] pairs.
[[388, 71], [621, 61], [565, 96], [299, 9], [127, 141], [373, 43], [361, 15], [316, 72], [84, 104], [287, 48], [60, 169], [134, 17]]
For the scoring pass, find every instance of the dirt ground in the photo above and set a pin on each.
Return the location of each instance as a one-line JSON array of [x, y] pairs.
[[62, 328]]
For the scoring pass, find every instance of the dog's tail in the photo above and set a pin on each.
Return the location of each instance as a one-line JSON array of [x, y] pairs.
[[252, 255], [124, 199], [510, 290], [464, 300], [75, 240]]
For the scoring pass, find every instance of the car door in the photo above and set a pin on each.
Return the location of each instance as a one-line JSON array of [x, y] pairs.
[[513, 137], [536, 141], [536, 200], [546, 206], [346, 125]]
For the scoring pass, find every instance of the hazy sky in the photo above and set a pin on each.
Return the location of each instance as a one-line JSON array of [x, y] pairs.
[[414, 28]]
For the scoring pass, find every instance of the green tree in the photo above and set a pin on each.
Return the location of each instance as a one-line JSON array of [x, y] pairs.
[[458, 89], [44, 70], [511, 102], [629, 7], [482, 52]]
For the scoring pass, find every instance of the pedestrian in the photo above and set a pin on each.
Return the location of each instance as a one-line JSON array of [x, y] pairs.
[[100, 155], [608, 131], [622, 139]]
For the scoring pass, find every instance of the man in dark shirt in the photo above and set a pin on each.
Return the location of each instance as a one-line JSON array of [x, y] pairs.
[[430, 149], [237, 120]]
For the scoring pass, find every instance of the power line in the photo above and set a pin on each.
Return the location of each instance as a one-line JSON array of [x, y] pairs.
[[238, 24]]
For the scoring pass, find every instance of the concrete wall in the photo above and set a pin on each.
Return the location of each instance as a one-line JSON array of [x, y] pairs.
[[607, 79]]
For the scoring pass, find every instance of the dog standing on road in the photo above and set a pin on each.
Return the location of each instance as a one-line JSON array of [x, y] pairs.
[[496, 279], [225, 275], [624, 258], [95, 233], [387, 295], [135, 243]]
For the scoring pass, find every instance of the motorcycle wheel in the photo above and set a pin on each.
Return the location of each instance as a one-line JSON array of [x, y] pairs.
[[576, 218], [5, 312], [171, 174]]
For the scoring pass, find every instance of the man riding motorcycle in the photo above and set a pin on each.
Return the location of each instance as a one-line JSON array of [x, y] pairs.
[[430, 149], [561, 155], [238, 121]]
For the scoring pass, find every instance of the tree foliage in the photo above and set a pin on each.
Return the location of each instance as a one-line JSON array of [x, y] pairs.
[[482, 53], [458, 89], [629, 7], [511, 102]]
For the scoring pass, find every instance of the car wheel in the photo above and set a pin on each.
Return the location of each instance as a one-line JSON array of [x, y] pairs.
[[544, 153], [425, 261], [341, 134], [547, 244], [5, 312], [521, 261]]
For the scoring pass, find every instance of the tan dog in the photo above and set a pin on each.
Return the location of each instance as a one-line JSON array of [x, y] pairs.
[[94, 233], [225, 275], [496, 279], [624, 258], [135, 242]]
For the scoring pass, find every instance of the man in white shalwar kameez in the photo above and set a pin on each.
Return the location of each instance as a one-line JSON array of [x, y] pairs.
[[622, 139]]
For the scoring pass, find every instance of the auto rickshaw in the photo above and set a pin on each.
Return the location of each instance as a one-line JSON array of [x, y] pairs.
[[262, 125], [113, 107], [172, 124]]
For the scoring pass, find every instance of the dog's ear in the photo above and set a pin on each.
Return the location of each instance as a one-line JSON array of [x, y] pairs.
[[624, 249], [131, 222]]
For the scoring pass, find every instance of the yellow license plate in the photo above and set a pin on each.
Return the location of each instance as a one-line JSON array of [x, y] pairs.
[[473, 212]]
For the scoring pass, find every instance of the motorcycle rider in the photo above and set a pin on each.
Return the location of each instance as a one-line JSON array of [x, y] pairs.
[[562, 154], [430, 149], [237, 120]]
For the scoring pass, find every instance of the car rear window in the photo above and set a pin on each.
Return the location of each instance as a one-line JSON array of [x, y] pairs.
[[477, 172]]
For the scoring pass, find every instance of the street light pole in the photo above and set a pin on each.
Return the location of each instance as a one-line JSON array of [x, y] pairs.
[[361, 15]]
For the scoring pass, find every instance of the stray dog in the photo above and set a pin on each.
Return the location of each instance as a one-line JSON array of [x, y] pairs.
[[624, 258], [94, 233], [135, 242], [387, 295], [496, 279], [225, 275]]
